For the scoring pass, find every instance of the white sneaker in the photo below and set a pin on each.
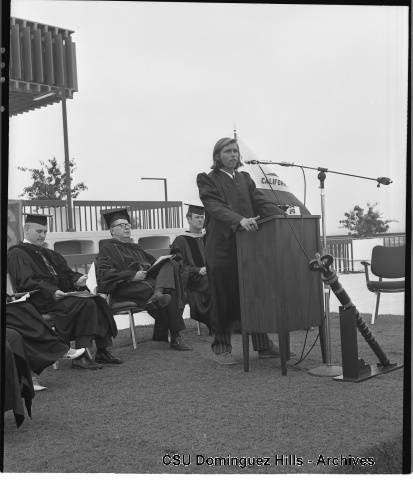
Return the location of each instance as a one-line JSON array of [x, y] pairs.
[[36, 385], [74, 353], [225, 358]]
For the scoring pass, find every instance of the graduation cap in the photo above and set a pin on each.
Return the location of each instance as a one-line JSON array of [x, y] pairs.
[[197, 209], [37, 218], [118, 214]]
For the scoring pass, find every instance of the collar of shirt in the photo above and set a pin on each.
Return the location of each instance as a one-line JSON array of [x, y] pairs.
[[194, 235], [232, 175], [30, 243], [40, 248]]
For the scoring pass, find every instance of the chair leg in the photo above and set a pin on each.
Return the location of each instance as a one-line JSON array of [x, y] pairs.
[[199, 328], [376, 308], [56, 363], [132, 328]]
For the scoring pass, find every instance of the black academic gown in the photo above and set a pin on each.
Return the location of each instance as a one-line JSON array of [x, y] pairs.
[[18, 385], [43, 347], [226, 202], [117, 264], [73, 317], [191, 249]]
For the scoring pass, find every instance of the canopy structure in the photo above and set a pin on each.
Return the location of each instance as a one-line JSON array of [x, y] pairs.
[[42, 65], [273, 187]]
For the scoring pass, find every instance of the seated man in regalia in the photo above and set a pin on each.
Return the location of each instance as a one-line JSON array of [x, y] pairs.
[[127, 272], [42, 345], [191, 248], [33, 267]]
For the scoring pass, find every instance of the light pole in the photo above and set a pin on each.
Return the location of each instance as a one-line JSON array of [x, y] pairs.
[[67, 162], [165, 185]]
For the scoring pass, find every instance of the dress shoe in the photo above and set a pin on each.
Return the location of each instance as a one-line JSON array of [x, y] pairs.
[[177, 343], [36, 385], [104, 356], [224, 358], [74, 353], [85, 363], [158, 301]]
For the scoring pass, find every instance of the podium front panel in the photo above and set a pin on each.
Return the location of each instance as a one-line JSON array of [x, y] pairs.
[[278, 291]]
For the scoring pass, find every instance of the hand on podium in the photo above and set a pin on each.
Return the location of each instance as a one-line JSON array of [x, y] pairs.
[[250, 224]]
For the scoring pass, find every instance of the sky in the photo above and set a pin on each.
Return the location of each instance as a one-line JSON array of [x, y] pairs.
[[160, 83]]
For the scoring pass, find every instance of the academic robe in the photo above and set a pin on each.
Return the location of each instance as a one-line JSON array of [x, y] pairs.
[[43, 347], [32, 267], [18, 384], [117, 264], [191, 248], [227, 200]]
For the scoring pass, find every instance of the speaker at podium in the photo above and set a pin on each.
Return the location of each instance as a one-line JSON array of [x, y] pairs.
[[278, 291]]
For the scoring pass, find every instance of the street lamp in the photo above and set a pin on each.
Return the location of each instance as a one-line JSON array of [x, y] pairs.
[[165, 186]]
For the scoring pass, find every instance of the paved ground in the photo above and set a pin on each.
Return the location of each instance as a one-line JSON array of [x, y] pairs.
[[355, 286]]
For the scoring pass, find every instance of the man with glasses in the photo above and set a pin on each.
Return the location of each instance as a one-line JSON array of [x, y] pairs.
[[123, 270], [56, 291]]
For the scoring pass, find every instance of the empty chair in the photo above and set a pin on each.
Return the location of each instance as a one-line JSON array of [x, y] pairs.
[[154, 242], [386, 263]]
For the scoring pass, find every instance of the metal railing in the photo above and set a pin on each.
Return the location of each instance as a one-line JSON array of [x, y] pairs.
[[87, 214], [341, 248], [395, 240], [144, 215]]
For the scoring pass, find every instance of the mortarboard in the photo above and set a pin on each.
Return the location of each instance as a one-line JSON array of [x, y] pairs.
[[111, 215], [197, 209], [36, 218]]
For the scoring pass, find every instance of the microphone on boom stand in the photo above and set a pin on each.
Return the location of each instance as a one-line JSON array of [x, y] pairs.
[[379, 180], [383, 181]]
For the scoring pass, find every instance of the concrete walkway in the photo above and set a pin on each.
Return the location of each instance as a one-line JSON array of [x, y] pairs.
[[353, 283]]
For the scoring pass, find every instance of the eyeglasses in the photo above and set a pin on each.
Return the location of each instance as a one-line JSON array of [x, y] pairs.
[[122, 225]]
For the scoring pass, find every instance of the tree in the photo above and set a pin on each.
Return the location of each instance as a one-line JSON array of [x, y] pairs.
[[361, 224], [49, 182]]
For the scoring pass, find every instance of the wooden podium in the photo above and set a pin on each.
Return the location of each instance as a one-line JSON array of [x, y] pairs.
[[278, 291]]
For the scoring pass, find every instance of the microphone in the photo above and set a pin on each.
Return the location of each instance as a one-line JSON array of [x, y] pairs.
[[252, 162], [384, 181]]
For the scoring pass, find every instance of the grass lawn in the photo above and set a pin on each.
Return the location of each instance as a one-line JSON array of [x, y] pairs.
[[126, 418]]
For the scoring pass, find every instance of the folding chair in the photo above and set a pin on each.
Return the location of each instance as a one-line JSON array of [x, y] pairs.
[[117, 308], [386, 262]]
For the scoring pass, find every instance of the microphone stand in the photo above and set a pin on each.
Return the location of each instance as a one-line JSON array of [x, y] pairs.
[[327, 369]]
